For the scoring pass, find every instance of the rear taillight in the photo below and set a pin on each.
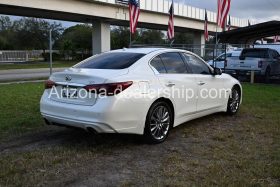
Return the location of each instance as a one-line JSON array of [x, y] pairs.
[[108, 89], [225, 63], [49, 84], [260, 64]]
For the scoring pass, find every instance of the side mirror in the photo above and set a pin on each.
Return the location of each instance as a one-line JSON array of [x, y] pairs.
[[241, 57], [217, 71]]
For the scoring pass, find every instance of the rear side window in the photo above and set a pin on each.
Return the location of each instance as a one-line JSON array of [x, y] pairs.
[[173, 63], [158, 65], [114, 60], [197, 66], [255, 53]]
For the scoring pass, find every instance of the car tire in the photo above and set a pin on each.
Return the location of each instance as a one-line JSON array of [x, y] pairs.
[[267, 75], [234, 101], [158, 123]]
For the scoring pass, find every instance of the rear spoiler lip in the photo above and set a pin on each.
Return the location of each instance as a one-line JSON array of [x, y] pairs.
[[69, 84]]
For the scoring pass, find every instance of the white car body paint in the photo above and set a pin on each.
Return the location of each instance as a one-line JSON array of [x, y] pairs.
[[127, 115]]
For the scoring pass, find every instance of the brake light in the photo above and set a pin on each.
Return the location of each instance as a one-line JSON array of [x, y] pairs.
[[225, 63], [49, 84], [260, 64], [108, 89]]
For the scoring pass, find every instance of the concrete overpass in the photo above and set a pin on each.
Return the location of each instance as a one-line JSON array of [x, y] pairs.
[[103, 13]]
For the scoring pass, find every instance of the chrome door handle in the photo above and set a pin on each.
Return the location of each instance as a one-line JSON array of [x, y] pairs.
[[201, 83], [170, 84]]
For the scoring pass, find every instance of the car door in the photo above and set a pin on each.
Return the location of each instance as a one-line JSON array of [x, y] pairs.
[[209, 86], [275, 63], [177, 82]]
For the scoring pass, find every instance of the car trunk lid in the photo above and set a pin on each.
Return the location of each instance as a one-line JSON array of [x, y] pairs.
[[69, 84]]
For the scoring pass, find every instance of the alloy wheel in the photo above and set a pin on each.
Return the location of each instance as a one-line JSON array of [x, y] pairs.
[[160, 122], [234, 101]]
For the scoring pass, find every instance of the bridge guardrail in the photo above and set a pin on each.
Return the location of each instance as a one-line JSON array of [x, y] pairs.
[[180, 9], [124, 2]]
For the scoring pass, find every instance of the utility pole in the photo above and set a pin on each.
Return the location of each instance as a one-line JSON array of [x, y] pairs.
[[50, 45]]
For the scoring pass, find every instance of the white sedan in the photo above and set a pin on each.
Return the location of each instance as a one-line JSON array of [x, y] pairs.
[[144, 91]]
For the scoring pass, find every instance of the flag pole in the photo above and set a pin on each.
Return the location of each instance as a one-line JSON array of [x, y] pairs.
[[130, 36], [215, 50], [215, 54], [130, 29], [171, 42]]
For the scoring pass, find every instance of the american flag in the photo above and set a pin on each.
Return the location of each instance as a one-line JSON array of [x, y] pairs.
[[134, 11], [229, 23], [223, 10], [206, 35], [276, 38], [170, 31]]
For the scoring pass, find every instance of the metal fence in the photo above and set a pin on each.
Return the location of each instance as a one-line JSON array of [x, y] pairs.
[[19, 56], [207, 51]]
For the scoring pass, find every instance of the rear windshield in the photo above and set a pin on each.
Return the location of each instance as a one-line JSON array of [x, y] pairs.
[[115, 60], [255, 53]]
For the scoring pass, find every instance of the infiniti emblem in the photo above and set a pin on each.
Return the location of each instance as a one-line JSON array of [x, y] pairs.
[[68, 78]]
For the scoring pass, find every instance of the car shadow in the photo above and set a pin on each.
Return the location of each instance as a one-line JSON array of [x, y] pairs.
[[52, 136]]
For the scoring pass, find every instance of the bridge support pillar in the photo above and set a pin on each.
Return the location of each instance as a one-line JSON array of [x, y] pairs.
[[101, 39], [199, 44]]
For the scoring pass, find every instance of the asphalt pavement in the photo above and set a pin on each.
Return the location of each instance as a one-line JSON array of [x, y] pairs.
[[26, 74]]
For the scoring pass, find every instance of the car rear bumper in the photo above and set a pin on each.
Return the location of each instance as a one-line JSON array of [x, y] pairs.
[[87, 125], [108, 115]]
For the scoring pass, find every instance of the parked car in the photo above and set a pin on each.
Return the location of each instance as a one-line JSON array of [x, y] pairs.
[[131, 91], [270, 46], [264, 61], [222, 60]]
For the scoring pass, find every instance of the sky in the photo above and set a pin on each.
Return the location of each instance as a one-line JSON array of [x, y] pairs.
[[257, 10]]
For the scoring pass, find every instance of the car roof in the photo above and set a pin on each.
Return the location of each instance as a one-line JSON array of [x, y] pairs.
[[151, 50], [143, 50]]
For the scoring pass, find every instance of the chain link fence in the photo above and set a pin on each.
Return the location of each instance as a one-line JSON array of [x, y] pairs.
[[206, 51]]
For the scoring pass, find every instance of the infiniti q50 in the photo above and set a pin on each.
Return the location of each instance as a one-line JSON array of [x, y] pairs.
[[144, 91]]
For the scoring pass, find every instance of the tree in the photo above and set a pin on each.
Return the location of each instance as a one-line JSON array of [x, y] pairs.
[[27, 33], [33, 33], [7, 34], [183, 38], [120, 37], [5, 23], [148, 36], [77, 38]]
